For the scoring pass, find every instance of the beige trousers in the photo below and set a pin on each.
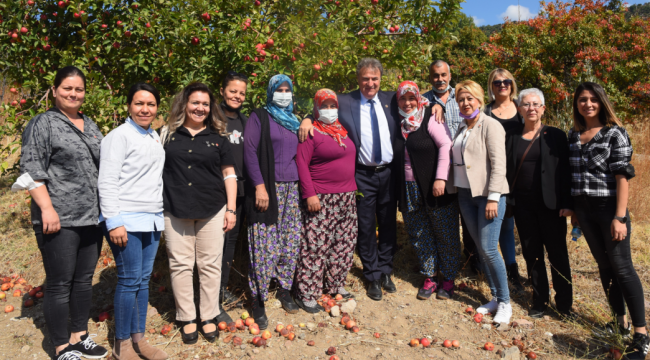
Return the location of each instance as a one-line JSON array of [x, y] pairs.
[[191, 241]]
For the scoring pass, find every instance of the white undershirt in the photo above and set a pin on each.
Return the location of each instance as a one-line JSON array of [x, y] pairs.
[[460, 171]]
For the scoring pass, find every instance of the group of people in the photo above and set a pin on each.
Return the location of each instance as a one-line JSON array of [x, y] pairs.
[[313, 191]]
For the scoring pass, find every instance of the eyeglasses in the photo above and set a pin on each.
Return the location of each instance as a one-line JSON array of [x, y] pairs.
[[236, 74], [533, 105], [498, 83]]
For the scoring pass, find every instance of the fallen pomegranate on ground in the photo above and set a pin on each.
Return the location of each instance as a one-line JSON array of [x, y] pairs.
[[414, 342], [9, 308], [166, 329], [532, 355], [446, 343], [425, 342], [311, 343], [488, 346], [331, 350]]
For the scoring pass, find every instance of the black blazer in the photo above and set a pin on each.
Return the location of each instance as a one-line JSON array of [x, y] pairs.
[[350, 118], [556, 173]]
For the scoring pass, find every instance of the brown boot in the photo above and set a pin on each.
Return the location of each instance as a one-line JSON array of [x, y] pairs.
[[144, 349], [123, 350]]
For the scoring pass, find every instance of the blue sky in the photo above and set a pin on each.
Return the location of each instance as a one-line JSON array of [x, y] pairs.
[[490, 12]]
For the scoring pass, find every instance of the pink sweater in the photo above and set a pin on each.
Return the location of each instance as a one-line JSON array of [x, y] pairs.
[[324, 167], [442, 137]]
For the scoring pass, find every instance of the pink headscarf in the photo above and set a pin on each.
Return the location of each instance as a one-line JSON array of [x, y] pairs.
[[412, 123]]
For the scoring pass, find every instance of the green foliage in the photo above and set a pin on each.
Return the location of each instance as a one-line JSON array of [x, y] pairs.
[[570, 43], [171, 43], [640, 10]]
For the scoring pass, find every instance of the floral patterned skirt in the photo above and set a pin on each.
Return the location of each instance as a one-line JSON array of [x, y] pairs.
[[434, 233], [327, 246], [274, 248]]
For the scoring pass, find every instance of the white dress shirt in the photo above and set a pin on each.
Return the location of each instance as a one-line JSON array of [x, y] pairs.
[[365, 153]]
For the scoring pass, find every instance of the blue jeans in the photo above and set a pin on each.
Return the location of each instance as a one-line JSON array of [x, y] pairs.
[[507, 240], [134, 265], [486, 236]]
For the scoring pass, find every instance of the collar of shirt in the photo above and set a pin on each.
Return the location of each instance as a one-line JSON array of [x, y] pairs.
[[364, 100], [139, 128], [451, 97], [183, 130]]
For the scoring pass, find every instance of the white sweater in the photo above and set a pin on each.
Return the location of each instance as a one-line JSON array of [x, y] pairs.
[[130, 171]]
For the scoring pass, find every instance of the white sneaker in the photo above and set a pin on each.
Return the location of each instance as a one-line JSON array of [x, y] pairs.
[[504, 313], [490, 307]]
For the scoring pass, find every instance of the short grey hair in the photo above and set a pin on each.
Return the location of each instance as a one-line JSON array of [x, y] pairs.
[[528, 92], [371, 63], [439, 63]]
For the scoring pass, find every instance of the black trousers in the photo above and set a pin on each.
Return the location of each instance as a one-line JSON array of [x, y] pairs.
[[469, 247], [69, 257], [617, 274], [377, 206], [230, 244], [540, 227]]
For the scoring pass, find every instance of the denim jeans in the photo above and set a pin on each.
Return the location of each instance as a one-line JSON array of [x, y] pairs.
[[507, 240], [486, 236], [134, 265]]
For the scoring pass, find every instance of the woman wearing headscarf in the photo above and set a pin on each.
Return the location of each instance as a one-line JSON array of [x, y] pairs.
[[273, 197], [326, 163], [430, 213]]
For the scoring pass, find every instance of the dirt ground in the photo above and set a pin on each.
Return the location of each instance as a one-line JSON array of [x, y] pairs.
[[396, 319]]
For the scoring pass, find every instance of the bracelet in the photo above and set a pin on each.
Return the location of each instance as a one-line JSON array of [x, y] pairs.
[[231, 211], [230, 177]]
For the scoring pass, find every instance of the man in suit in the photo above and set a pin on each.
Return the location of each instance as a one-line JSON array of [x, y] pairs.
[[372, 120]]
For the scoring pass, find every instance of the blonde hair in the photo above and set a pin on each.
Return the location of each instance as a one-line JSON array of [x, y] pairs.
[[216, 119], [473, 88], [505, 73]]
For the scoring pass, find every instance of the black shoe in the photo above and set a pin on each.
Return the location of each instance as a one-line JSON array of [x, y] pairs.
[[259, 313], [614, 328], [638, 350], [223, 316], [190, 338], [312, 310], [68, 355], [387, 283], [513, 275], [536, 312], [88, 348], [211, 336], [226, 297], [374, 290], [287, 301]]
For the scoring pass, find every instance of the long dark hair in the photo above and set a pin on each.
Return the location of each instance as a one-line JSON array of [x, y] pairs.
[[66, 72], [216, 118], [606, 114]]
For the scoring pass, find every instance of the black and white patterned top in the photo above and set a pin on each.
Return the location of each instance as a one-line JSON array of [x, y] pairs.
[[56, 151], [594, 165]]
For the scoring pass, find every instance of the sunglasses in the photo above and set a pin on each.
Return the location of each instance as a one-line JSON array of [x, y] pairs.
[[234, 73], [498, 83]]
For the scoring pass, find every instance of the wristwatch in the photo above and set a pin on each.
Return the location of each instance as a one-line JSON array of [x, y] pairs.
[[623, 219], [231, 211]]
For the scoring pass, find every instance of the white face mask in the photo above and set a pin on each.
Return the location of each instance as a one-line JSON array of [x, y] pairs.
[[282, 99], [405, 115], [328, 116]]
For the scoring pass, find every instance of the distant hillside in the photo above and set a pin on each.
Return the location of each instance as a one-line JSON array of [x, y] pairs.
[[489, 29], [642, 10]]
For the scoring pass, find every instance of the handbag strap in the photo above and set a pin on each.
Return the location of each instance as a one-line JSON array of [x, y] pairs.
[[526, 153]]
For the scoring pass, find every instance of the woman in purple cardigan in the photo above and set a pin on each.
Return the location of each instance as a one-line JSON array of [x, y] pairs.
[[272, 197], [326, 163]]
